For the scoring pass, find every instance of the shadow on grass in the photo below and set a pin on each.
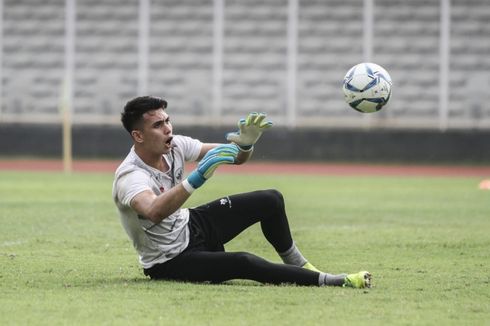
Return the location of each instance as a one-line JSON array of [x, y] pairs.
[[118, 282]]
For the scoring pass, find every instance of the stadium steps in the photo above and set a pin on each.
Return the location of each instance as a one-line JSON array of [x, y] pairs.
[[255, 57]]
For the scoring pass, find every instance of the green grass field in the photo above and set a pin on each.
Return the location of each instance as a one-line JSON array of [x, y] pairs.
[[65, 259]]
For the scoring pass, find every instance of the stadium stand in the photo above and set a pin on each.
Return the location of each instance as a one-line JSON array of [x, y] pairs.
[[330, 40]]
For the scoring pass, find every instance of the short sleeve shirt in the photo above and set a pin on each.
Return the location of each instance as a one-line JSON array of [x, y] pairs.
[[155, 243]]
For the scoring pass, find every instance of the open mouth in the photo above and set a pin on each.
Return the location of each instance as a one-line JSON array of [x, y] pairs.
[[169, 141]]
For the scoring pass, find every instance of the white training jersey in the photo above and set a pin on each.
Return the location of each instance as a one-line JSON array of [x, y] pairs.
[[155, 243]]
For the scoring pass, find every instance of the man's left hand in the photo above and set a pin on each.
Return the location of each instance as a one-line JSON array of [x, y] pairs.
[[249, 130]]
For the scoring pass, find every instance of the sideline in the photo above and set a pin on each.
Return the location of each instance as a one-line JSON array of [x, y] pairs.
[[345, 169]]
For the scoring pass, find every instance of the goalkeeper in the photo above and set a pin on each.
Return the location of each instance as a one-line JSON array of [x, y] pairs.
[[187, 244]]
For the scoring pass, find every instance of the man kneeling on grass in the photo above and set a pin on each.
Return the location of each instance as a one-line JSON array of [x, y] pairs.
[[187, 244]]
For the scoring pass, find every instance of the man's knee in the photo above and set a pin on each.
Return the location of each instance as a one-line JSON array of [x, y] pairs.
[[274, 198], [246, 260]]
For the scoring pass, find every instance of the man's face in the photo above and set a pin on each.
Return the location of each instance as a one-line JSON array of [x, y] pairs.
[[155, 132]]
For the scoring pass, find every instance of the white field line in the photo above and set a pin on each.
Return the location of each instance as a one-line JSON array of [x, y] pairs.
[[12, 243]]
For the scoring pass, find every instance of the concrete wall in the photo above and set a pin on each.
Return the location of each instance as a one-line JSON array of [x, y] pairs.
[[34, 140]]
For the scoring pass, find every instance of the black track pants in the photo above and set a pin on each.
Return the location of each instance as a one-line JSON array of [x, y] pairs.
[[214, 224]]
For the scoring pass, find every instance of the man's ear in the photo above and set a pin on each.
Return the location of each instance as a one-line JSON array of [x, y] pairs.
[[137, 136]]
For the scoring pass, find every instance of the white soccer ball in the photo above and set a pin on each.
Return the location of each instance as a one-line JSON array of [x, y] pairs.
[[367, 87]]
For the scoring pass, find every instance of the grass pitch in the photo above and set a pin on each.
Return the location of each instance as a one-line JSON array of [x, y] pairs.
[[65, 259]]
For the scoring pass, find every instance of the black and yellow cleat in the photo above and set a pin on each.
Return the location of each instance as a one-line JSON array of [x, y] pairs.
[[359, 280], [310, 266]]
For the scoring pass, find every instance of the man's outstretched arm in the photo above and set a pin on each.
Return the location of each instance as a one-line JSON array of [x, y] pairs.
[[156, 208]]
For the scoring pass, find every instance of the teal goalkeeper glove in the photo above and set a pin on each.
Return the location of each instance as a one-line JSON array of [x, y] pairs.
[[222, 154], [249, 130]]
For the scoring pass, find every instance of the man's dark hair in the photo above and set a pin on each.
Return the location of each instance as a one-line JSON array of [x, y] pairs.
[[135, 108]]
